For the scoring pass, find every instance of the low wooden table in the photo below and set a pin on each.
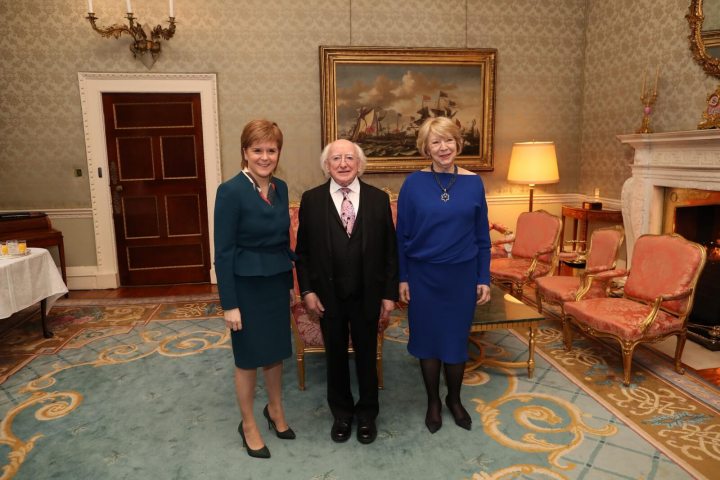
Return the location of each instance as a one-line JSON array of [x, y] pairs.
[[501, 312]]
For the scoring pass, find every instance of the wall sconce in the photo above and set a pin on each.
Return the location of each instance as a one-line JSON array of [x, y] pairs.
[[141, 46]]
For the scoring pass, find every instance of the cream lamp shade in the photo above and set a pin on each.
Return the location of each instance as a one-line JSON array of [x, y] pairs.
[[533, 163]]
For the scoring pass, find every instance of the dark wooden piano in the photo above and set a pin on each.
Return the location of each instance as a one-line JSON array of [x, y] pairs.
[[36, 229]]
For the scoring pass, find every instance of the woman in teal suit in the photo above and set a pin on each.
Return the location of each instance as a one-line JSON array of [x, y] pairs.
[[253, 262]]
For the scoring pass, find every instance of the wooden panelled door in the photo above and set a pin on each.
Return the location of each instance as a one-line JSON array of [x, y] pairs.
[[157, 185]]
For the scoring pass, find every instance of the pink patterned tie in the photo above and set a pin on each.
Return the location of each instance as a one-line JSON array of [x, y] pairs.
[[347, 212]]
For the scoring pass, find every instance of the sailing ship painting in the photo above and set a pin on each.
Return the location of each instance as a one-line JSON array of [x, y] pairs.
[[382, 108]]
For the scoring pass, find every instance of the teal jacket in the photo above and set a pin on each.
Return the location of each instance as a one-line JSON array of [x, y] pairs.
[[251, 236]]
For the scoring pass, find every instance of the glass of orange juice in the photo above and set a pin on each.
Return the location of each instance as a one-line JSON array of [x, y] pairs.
[[22, 246], [3, 248]]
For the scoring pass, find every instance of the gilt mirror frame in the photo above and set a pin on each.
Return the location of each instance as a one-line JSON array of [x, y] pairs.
[[368, 92], [700, 41]]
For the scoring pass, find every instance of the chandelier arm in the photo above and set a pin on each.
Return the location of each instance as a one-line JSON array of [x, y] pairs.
[[166, 33], [111, 31]]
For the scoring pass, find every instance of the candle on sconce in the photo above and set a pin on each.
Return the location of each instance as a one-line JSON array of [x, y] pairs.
[[90, 8], [642, 94], [129, 7], [172, 8], [657, 74]]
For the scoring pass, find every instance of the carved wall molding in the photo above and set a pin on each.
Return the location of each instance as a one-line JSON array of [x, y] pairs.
[[676, 159]]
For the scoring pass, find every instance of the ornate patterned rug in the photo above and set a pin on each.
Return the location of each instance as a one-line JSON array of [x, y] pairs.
[[143, 390]]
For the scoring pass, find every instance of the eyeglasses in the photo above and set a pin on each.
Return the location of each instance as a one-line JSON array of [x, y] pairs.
[[337, 158]]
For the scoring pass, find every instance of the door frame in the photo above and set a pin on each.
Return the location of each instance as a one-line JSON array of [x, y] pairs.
[[92, 86]]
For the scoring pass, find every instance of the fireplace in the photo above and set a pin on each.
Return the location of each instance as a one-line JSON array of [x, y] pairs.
[[669, 166], [695, 214]]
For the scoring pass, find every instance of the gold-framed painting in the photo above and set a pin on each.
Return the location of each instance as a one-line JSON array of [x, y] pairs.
[[379, 97]]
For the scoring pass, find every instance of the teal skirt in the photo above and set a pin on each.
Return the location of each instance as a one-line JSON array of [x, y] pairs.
[[265, 337]]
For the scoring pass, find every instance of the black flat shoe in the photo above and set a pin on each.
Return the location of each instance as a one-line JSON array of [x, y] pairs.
[[341, 430], [462, 421], [285, 435], [433, 425], [260, 453], [366, 431]]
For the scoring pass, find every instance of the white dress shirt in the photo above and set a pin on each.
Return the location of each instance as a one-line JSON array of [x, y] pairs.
[[353, 196]]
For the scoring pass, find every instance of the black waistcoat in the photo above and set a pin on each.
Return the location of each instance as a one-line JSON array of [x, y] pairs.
[[347, 255]]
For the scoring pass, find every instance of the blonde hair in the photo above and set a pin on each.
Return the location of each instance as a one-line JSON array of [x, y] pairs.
[[441, 127], [258, 131]]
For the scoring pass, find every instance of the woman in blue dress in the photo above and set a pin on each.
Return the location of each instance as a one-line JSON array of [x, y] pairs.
[[444, 253], [253, 262]]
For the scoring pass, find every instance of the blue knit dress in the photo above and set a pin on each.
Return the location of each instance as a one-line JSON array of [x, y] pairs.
[[444, 253]]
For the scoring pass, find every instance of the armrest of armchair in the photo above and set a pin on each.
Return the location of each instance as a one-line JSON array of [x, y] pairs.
[[658, 303], [678, 296], [503, 241], [608, 274], [499, 227], [536, 260], [588, 278]]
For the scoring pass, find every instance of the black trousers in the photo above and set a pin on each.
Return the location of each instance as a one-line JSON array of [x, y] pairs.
[[351, 321]]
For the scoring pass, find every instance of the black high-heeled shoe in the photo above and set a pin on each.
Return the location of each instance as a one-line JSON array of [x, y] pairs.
[[259, 453], [432, 425], [463, 422], [286, 435]]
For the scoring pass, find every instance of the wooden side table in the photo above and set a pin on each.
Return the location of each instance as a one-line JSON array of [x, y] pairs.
[[577, 213]]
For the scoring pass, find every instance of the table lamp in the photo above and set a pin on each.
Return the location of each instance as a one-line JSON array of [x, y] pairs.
[[533, 163]]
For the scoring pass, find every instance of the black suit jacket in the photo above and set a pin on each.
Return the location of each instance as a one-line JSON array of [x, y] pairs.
[[379, 248]]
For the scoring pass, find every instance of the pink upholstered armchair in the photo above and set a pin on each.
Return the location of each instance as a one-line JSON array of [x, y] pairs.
[[498, 246], [533, 253], [306, 325], [657, 300], [602, 255]]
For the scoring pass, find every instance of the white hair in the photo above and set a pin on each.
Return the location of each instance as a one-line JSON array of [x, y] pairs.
[[360, 154]]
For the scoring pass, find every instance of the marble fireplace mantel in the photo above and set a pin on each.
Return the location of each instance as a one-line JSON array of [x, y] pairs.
[[675, 159]]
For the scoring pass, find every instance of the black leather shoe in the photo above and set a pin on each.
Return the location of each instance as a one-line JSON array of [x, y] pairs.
[[463, 420], [366, 431], [285, 435], [259, 453], [433, 425], [341, 430]]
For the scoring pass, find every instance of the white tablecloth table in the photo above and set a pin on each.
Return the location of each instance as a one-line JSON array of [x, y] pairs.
[[25, 281]]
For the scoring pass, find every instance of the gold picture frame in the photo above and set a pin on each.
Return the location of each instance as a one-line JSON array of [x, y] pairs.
[[368, 92]]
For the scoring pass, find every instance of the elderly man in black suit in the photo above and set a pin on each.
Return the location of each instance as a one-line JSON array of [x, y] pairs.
[[348, 275]]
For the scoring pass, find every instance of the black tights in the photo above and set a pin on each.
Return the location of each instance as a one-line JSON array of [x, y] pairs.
[[454, 375]]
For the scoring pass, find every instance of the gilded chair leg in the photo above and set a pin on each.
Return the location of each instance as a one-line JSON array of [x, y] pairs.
[[301, 369], [679, 351], [531, 353], [538, 297], [519, 292], [627, 353]]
